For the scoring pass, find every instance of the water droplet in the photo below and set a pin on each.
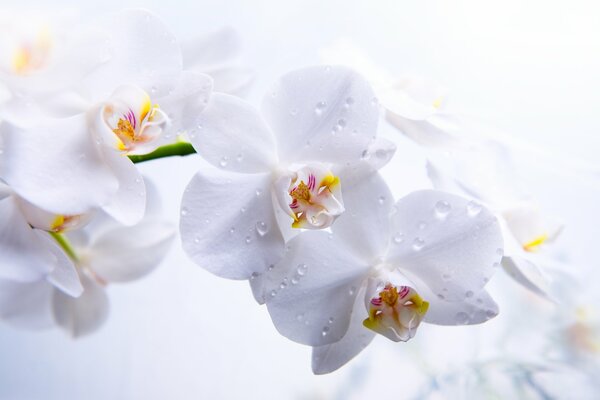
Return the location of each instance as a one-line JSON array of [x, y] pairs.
[[248, 239], [473, 209], [446, 276], [196, 240], [352, 291], [243, 210], [273, 293], [341, 123], [258, 192], [398, 238], [422, 225], [330, 320], [441, 296], [262, 228], [325, 331], [254, 276], [184, 212], [469, 294], [374, 102], [231, 230], [320, 107], [301, 270], [239, 157], [442, 209], [418, 244], [295, 280], [153, 89], [461, 318], [349, 101], [365, 154], [283, 283], [381, 199], [223, 162], [138, 180], [300, 317], [271, 267]]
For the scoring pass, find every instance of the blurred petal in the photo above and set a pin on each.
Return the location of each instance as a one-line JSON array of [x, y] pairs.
[[128, 253], [530, 227], [84, 314], [64, 275], [365, 226], [128, 204], [56, 166], [330, 357], [449, 243], [527, 274], [214, 48], [26, 305], [227, 223], [438, 130], [143, 52], [311, 291], [23, 256], [231, 79], [232, 135], [322, 113]]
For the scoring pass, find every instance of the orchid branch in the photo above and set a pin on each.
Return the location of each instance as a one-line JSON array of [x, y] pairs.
[[170, 150]]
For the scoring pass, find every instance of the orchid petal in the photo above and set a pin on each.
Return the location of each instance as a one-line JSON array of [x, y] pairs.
[[214, 48], [451, 244], [56, 166], [64, 276], [437, 131], [84, 314], [26, 305], [529, 226], [128, 204], [365, 226], [327, 114], [311, 292], [232, 135], [227, 223], [231, 79], [527, 274], [378, 154], [144, 53], [23, 257], [128, 253], [330, 357]]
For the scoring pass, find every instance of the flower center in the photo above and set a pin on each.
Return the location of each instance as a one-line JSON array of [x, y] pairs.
[[133, 119], [314, 197], [396, 312]]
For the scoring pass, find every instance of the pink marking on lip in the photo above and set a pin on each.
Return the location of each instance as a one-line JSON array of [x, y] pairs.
[[311, 181], [294, 204], [376, 301], [130, 116], [404, 290]]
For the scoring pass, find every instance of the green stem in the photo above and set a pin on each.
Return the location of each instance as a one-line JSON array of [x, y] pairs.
[[169, 150], [63, 242]]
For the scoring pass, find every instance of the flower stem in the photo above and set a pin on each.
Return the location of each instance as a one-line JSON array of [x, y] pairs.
[[169, 150], [63, 242]]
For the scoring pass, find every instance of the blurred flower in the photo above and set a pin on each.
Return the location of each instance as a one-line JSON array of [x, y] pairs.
[[279, 168], [386, 267]]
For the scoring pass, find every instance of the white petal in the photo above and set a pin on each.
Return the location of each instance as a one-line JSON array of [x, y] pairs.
[[227, 223], [365, 226], [214, 48], [143, 52], [437, 131], [311, 292], [84, 314], [378, 154], [325, 114], [187, 100], [128, 204], [449, 243], [529, 226], [64, 275], [128, 253], [233, 136], [26, 305], [330, 357], [56, 166], [23, 256], [231, 79], [527, 274]]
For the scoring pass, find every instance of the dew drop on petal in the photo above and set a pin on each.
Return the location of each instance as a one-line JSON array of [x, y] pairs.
[[301, 270], [398, 238], [300, 317], [254, 276], [330, 321], [273, 293], [223, 162], [325, 331], [243, 210], [461, 318], [295, 280], [473, 209], [184, 212], [381, 199], [262, 228], [320, 107], [374, 102], [469, 294], [231, 230], [248, 239], [352, 291], [239, 157], [442, 209], [418, 244], [349, 101], [446, 276], [196, 240], [271, 267], [258, 192]]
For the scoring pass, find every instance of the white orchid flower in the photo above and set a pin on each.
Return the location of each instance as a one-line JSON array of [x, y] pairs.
[[486, 173], [385, 269], [417, 107], [31, 262], [217, 55], [127, 105], [278, 164], [104, 252]]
